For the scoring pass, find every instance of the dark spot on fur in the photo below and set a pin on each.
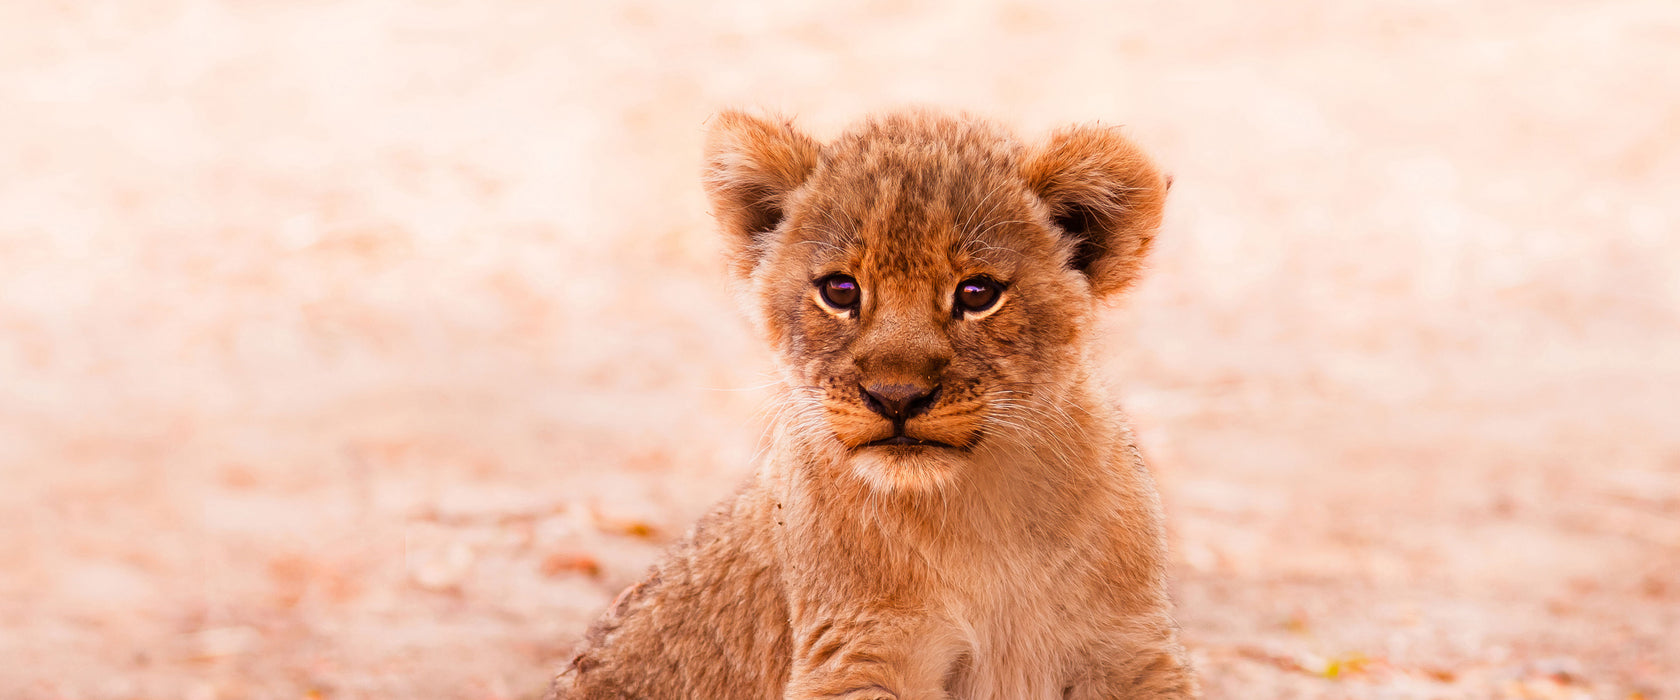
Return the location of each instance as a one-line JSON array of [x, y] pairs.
[[822, 655]]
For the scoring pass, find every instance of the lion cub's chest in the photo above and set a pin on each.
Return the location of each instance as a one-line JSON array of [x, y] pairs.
[[1020, 628]]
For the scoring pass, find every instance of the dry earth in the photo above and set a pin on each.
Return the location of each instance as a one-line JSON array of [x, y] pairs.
[[365, 349]]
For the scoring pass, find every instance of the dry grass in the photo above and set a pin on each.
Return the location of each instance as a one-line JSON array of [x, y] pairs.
[[364, 349]]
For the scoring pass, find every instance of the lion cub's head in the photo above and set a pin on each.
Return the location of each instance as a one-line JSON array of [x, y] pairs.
[[927, 279]]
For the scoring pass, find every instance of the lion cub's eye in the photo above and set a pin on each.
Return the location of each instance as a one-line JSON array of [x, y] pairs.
[[839, 291], [977, 294]]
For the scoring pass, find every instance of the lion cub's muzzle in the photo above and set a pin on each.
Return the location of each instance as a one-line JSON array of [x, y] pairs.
[[905, 413], [899, 403], [904, 394]]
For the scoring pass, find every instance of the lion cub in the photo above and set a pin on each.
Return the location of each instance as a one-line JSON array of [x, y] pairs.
[[949, 507]]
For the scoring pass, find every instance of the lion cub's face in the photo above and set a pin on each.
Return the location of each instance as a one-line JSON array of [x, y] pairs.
[[927, 279]]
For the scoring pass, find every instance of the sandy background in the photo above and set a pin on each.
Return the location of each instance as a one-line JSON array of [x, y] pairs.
[[365, 349]]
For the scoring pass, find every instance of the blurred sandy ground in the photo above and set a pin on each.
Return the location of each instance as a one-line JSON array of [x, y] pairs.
[[364, 349]]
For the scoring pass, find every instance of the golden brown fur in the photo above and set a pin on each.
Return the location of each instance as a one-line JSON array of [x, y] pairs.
[[1013, 549]]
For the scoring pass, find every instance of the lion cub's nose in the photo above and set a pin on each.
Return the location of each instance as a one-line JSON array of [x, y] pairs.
[[899, 402]]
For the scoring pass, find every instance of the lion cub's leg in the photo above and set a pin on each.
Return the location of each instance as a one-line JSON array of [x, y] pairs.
[[1155, 668], [869, 655], [709, 621]]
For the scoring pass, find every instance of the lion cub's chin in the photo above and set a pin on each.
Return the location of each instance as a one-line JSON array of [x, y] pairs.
[[908, 468]]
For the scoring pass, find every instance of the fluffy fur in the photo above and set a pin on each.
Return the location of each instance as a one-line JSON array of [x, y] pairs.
[[1019, 556]]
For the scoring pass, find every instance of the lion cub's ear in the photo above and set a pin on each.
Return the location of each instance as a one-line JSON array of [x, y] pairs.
[[1106, 195], [752, 165]]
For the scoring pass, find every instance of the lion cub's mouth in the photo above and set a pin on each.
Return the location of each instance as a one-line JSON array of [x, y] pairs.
[[907, 440]]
